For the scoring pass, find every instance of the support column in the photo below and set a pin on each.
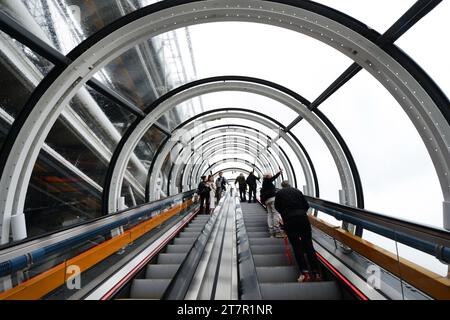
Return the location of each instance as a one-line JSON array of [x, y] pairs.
[[18, 227], [446, 214], [345, 225], [121, 206]]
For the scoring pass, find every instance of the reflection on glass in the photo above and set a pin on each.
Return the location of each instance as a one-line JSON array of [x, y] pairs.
[[64, 24], [57, 197], [21, 71]]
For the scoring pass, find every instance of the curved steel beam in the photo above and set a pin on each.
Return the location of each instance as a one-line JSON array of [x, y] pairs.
[[420, 97], [231, 160], [215, 146], [244, 132], [199, 162], [255, 145], [211, 116]]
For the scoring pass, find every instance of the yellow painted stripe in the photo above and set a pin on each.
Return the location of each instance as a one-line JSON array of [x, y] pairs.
[[425, 280]]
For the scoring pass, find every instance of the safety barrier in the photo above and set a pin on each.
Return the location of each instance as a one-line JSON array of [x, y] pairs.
[[47, 281]]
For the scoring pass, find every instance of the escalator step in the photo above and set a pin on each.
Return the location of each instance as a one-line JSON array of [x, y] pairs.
[[258, 234], [277, 274], [161, 271], [268, 249], [193, 229], [178, 248], [188, 234], [266, 241], [188, 241], [170, 258], [148, 288], [324, 290], [270, 260], [255, 225], [256, 229]]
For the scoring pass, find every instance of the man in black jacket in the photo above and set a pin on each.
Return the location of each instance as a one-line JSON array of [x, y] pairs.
[[251, 182], [242, 186], [293, 207], [203, 191]]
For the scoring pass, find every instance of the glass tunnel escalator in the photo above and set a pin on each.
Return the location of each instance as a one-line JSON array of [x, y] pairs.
[[112, 110]]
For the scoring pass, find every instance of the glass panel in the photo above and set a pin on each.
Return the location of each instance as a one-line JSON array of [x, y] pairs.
[[21, 71], [383, 279], [141, 160], [396, 167], [431, 52], [153, 68], [64, 24], [378, 15], [279, 55], [327, 174], [57, 197], [424, 264]]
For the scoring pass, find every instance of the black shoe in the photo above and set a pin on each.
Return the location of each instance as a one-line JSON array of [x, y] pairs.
[[249, 201]]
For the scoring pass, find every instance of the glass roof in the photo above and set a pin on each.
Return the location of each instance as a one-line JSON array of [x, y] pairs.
[[378, 15], [68, 178], [396, 154], [429, 47]]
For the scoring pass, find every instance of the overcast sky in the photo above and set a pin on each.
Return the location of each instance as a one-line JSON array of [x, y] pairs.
[[396, 171]]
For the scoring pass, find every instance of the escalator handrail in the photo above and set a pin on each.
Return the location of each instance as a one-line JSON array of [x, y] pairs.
[[427, 239], [25, 257]]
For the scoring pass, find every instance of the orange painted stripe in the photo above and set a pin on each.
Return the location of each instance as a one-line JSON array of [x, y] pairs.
[[40, 285], [425, 280]]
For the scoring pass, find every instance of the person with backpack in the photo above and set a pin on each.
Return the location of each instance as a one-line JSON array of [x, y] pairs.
[[251, 182], [203, 191], [293, 207]]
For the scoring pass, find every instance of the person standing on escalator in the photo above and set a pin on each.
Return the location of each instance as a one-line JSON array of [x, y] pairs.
[[251, 182], [242, 186], [203, 190], [267, 195], [293, 207], [221, 183]]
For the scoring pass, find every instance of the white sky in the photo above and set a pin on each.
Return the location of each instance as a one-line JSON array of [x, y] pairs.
[[396, 171]]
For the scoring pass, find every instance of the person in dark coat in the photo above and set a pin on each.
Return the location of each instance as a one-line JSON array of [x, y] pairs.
[[251, 182], [293, 207], [267, 196], [203, 190], [242, 186], [221, 183]]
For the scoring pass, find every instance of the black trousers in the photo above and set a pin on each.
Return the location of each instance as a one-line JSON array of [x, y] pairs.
[[204, 202], [252, 191], [242, 193], [298, 231]]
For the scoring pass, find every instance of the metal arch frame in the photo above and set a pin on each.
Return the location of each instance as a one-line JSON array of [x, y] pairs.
[[216, 143], [235, 169], [231, 160], [302, 160], [199, 165], [254, 134], [288, 100], [396, 71], [254, 145], [211, 116], [178, 177], [265, 163]]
